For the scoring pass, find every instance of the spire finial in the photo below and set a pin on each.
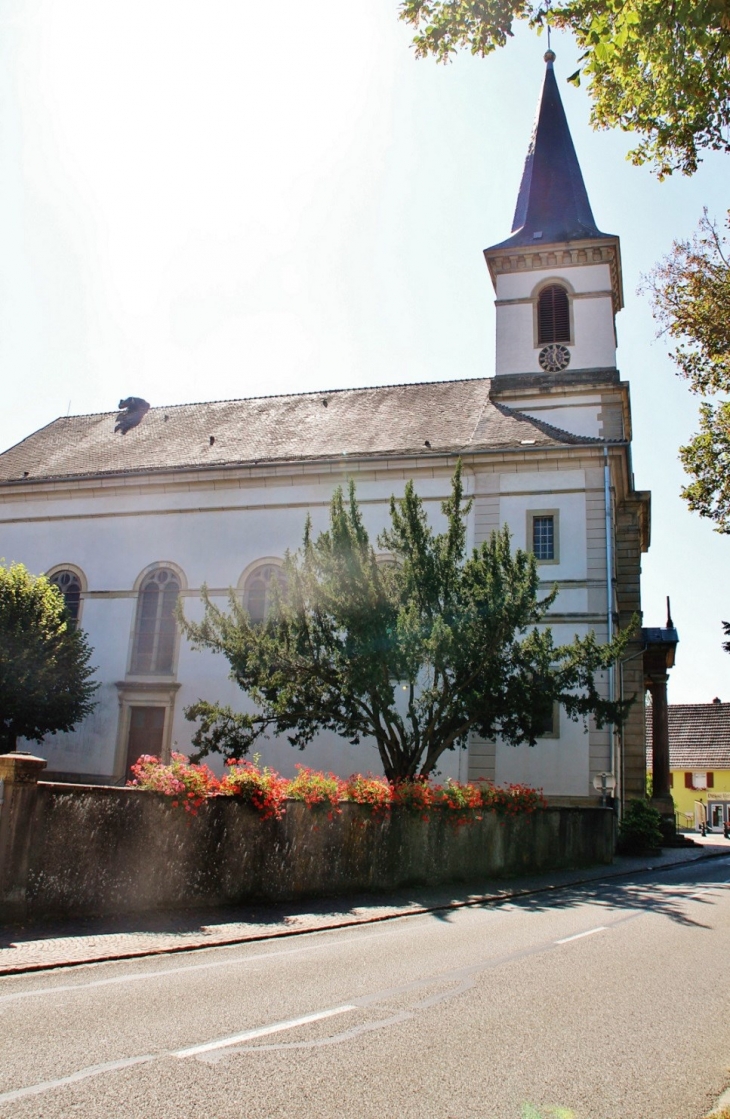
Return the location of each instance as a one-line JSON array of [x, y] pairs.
[[670, 623], [549, 57]]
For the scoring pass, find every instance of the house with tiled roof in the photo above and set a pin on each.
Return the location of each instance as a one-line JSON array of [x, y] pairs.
[[699, 762], [131, 513]]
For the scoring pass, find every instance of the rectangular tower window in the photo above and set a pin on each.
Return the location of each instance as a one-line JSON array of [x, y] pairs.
[[543, 535], [548, 725], [543, 538]]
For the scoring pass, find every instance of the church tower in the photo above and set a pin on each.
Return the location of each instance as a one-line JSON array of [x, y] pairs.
[[557, 278]]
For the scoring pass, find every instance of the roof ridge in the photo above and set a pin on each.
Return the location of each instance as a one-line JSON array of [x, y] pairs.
[[281, 396]]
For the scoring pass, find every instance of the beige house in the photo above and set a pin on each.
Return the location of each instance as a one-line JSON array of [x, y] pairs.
[[127, 522]]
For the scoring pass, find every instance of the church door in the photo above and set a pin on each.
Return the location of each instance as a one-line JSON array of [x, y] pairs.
[[146, 729]]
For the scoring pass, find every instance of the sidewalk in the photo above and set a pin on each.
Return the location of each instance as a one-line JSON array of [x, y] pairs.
[[67, 943]]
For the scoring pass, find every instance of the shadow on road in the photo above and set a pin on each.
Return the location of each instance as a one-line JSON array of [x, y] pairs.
[[666, 899]]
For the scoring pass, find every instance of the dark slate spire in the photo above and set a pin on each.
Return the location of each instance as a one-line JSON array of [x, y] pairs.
[[552, 204]]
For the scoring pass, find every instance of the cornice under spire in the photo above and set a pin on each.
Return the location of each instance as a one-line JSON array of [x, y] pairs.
[[552, 205]]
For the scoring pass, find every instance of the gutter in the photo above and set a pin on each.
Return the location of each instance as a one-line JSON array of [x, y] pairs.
[[341, 460]]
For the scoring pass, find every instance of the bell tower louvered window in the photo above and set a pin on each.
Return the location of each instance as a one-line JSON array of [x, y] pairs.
[[553, 315]]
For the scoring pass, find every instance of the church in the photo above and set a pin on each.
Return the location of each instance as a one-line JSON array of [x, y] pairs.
[[129, 514]]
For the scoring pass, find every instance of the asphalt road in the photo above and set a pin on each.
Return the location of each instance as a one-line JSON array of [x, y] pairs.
[[608, 1001]]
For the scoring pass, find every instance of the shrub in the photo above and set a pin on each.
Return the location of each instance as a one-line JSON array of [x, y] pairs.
[[264, 789], [414, 794], [367, 789], [457, 797], [45, 677], [640, 828], [514, 800], [458, 801], [316, 788], [189, 785]]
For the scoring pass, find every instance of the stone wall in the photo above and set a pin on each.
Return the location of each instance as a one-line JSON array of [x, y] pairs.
[[91, 850]]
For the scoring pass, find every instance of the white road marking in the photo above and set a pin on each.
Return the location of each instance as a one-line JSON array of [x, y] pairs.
[[236, 1039], [567, 939], [82, 1074], [159, 973]]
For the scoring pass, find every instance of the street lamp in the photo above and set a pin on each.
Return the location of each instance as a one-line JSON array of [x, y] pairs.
[[606, 783]]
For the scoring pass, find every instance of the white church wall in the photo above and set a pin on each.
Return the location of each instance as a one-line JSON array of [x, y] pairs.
[[559, 766], [571, 524], [580, 415], [211, 537], [91, 747], [582, 278]]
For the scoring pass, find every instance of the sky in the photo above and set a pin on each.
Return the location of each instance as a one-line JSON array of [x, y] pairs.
[[205, 201]]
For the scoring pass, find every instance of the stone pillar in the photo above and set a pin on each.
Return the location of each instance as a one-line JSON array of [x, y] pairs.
[[660, 646], [661, 797], [19, 775], [660, 737], [631, 533]]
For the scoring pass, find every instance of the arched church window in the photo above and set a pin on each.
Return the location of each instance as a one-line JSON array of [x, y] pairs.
[[155, 628], [258, 590], [69, 584], [553, 315]]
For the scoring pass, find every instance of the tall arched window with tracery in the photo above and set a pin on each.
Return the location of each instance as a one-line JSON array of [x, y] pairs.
[[155, 630], [553, 315], [258, 590], [69, 584]]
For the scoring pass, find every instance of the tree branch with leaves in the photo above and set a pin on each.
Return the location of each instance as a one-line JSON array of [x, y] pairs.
[[661, 71], [690, 293], [45, 676]]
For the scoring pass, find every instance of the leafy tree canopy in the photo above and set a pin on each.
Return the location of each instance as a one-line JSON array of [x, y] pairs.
[[690, 292], [412, 654], [657, 69], [44, 662]]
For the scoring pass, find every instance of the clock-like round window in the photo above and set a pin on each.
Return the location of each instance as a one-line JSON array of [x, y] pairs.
[[553, 358]]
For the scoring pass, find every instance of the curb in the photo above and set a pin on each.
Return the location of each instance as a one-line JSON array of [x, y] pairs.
[[471, 902]]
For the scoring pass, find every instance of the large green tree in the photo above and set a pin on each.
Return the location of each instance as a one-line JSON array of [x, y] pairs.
[[45, 683], [690, 291], [660, 70], [413, 654]]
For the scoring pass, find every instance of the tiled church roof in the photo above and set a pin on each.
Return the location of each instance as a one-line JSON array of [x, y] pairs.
[[699, 736], [441, 416]]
